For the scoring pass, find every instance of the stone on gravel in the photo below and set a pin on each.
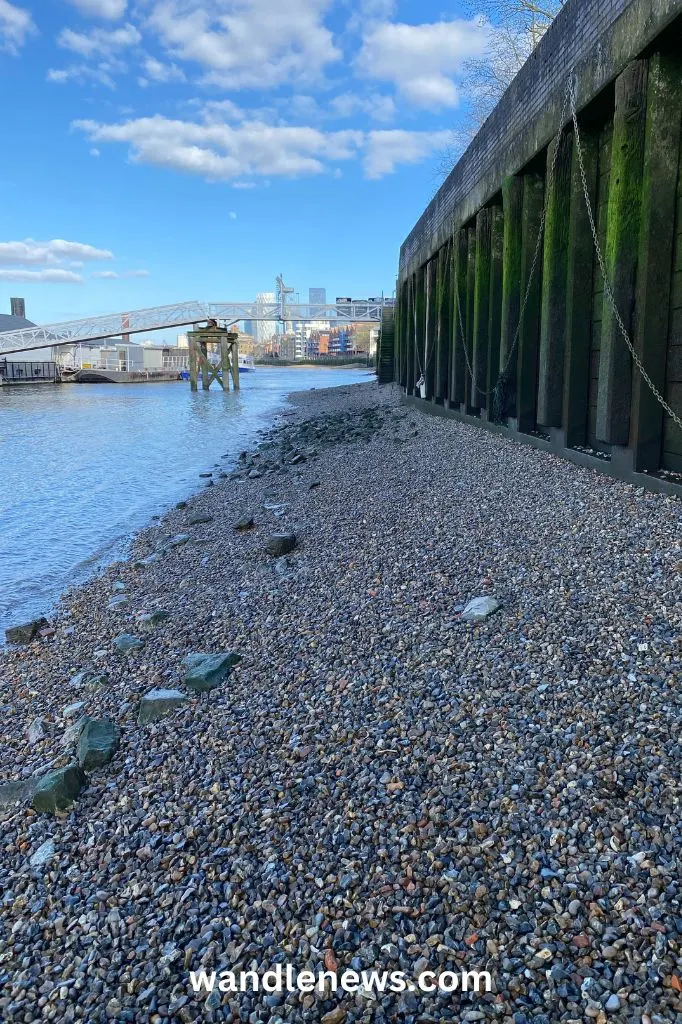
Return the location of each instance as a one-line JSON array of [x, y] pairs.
[[72, 732], [152, 619], [479, 608], [57, 790], [157, 703], [43, 854], [98, 742], [127, 642], [199, 517], [335, 1016], [26, 632], [118, 602], [245, 523], [16, 792], [178, 540], [207, 671], [279, 544], [95, 682], [36, 731], [71, 710]]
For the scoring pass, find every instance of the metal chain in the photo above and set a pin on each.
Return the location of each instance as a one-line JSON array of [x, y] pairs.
[[602, 266]]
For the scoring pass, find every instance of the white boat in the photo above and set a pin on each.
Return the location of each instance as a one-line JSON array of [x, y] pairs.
[[246, 364]]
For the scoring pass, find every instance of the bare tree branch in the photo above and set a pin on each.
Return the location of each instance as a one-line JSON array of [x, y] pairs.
[[515, 29]]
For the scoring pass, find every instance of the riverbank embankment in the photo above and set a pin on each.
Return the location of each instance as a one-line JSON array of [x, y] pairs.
[[378, 783]]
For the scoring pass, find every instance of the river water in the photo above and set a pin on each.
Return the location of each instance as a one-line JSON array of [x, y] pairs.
[[83, 466]]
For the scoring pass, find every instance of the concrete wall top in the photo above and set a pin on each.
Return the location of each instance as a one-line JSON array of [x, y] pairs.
[[594, 39]]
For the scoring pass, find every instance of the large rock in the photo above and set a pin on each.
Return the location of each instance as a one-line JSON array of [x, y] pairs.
[[26, 632], [57, 790], [73, 731], [17, 791], [126, 642], [479, 608], [97, 743], [279, 544], [157, 703], [206, 671], [199, 517]]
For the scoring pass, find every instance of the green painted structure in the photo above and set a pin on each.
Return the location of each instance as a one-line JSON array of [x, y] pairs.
[[502, 317]]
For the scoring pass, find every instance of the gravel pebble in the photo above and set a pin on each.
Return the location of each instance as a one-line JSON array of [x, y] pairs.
[[377, 784]]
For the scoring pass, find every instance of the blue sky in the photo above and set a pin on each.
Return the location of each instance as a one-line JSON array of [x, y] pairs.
[[164, 150]]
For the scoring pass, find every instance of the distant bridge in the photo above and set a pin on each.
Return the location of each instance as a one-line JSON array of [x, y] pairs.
[[184, 314]]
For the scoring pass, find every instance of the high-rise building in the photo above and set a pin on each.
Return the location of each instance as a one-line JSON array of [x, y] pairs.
[[317, 296], [264, 330]]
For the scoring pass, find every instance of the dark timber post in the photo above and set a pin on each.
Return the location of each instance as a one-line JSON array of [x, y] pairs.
[[581, 261], [554, 284], [420, 325], [512, 207], [410, 331], [469, 314], [529, 333], [622, 242], [443, 325], [430, 326], [404, 328], [479, 359], [657, 233], [457, 364], [495, 305]]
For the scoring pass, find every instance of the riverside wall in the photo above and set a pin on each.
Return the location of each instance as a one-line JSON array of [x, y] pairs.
[[569, 383]]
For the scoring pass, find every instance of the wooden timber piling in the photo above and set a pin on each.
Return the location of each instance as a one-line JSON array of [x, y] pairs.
[[502, 311], [221, 340]]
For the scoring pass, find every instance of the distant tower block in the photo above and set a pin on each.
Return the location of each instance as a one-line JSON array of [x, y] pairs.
[[219, 339], [18, 307]]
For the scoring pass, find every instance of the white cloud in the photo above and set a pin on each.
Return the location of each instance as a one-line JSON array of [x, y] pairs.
[[154, 70], [247, 43], [29, 252], [232, 215], [387, 149], [113, 275], [37, 276], [16, 25], [422, 60], [94, 152], [99, 42], [223, 152], [111, 10], [103, 73], [378, 107]]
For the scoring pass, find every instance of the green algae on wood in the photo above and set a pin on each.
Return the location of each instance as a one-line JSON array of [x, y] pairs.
[[529, 329], [621, 255], [479, 360], [512, 207], [655, 257], [554, 283]]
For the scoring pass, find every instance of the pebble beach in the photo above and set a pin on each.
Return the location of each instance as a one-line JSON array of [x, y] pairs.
[[381, 780]]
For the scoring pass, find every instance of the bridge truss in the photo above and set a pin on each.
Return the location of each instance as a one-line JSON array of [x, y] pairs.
[[183, 314]]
